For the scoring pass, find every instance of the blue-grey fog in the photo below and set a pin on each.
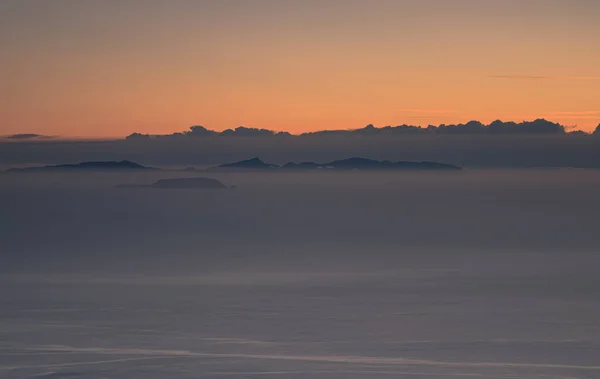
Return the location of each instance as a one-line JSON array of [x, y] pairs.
[[489, 273]]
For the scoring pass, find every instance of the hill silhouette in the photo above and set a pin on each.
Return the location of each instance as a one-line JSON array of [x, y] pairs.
[[86, 166], [252, 164], [355, 163], [371, 164]]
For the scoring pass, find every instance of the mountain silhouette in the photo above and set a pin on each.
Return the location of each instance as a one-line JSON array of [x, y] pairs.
[[86, 166], [371, 164], [355, 163], [253, 164]]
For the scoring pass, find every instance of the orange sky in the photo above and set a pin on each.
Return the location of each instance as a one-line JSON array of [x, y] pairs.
[[110, 68]]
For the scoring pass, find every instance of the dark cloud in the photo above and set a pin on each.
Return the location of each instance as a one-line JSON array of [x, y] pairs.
[[26, 136], [471, 127], [201, 131]]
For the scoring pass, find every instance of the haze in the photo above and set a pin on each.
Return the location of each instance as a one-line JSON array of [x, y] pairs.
[[488, 273], [334, 189], [111, 68]]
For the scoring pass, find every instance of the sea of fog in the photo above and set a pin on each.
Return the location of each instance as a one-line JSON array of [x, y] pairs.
[[472, 274]]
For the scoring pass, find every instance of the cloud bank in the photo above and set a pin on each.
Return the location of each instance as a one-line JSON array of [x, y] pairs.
[[539, 126], [538, 143]]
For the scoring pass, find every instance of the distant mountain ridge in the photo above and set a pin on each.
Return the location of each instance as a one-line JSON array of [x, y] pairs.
[[371, 164], [252, 164], [85, 166], [355, 163]]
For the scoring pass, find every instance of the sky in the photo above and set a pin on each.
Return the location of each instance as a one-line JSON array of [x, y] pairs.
[[108, 68]]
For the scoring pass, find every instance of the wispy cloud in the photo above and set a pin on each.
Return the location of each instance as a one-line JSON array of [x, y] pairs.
[[558, 116], [545, 77], [574, 117], [422, 117], [575, 113], [428, 111], [356, 360]]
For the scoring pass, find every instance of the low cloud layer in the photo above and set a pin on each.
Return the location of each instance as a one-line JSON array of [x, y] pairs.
[[539, 126], [26, 136], [537, 143]]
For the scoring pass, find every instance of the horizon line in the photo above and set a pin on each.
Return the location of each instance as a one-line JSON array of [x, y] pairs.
[[25, 136]]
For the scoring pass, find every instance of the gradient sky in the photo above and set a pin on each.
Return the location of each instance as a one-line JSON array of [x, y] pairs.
[[100, 68]]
